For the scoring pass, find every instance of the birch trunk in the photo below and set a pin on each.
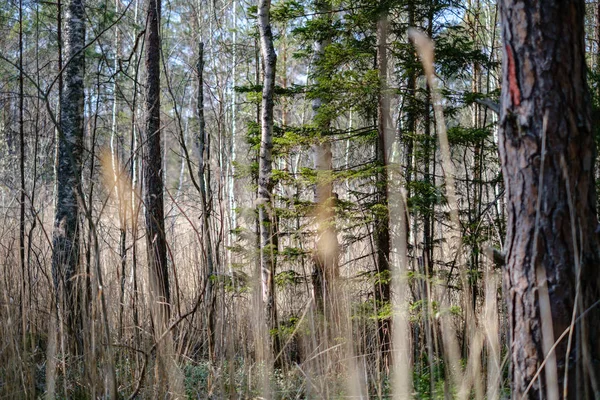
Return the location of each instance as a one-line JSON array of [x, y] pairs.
[[265, 181], [65, 241]]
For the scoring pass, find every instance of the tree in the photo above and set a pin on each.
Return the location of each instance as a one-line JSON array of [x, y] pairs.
[[381, 229], [156, 245], [65, 240], [551, 278], [203, 145], [153, 174], [22, 172], [265, 168], [325, 269]]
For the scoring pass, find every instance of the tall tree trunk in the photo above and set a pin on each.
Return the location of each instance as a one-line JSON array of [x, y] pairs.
[[116, 159], [547, 151], [327, 247], [90, 354], [382, 235], [65, 242], [22, 176], [265, 181], [232, 148], [413, 107], [202, 144], [167, 372], [153, 174], [59, 46]]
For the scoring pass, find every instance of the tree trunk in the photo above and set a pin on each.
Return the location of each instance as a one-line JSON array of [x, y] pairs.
[[547, 152], [167, 372], [153, 174], [382, 235], [203, 181], [265, 181], [327, 247], [22, 176], [116, 159], [65, 242], [231, 187]]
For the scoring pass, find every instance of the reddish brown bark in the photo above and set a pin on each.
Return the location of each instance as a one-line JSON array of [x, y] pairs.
[[547, 153]]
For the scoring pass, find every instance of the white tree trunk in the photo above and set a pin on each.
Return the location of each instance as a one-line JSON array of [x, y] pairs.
[[265, 182]]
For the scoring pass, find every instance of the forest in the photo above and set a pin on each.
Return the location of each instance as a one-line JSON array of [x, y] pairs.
[[299, 199]]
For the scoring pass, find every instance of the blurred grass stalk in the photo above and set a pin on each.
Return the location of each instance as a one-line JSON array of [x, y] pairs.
[[472, 375]]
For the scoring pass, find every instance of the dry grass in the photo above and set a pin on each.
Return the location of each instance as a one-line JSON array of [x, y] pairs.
[[444, 345]]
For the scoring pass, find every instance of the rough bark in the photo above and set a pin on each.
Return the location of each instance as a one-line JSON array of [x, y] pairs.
[[65, 241], [170, 379], [152, 171], [265, 181], [547, 151]]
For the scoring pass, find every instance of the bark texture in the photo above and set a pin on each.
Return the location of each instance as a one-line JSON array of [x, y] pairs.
[[152, 171], [169, 376], [265, 180], [65, 240], [547, 152]]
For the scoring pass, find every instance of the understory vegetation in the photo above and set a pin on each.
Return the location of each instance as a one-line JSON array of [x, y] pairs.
[[288, 200]]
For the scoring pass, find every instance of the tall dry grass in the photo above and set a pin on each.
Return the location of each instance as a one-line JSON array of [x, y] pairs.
[[444, 346]]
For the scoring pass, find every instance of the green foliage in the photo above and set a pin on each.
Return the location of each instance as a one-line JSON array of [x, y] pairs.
[[379, 210], [470, 97], [254, 92], [464, 136], [382, 278], [425, 195], [287, 278], [286, 10], [371, 310], [292, 254], [291, 137], [253, 136], [196, 378], [456, 52], [430, 370], [246, 170], [366, 171]]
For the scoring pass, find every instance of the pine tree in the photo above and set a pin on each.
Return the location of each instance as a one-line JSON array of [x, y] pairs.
[[551, 279]]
